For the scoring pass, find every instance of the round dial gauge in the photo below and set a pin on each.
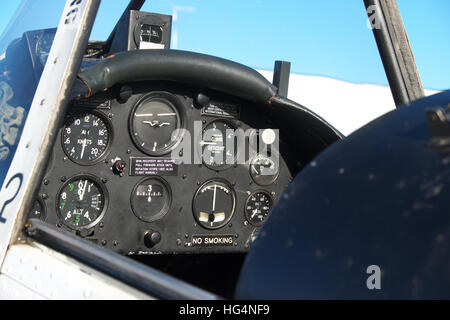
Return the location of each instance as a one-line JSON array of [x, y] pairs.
[[216, 136], [82, 202], [151, 199], [214, 204], [258, 206], [263, 170], [38, 211], [154, 122], [86, 137]]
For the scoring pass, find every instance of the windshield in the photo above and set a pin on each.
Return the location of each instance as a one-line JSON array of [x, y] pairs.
[[24, 47], [325, 38]]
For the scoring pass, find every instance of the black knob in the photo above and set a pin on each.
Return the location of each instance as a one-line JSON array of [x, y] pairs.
[[202, 101], [152, 238]]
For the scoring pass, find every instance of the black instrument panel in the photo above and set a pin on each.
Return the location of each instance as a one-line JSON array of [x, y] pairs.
[[115, 180]]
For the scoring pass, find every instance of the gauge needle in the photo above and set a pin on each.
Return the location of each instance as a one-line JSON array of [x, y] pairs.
[[82, 191], [84, 147], [214, 199]]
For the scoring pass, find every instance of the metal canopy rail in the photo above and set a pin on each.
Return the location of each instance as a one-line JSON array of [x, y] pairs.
[[139, 276]]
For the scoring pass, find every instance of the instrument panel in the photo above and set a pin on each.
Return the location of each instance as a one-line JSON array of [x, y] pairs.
[[164, 170]]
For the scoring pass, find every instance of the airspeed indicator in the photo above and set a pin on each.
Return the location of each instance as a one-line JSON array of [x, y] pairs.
[[86, 137]]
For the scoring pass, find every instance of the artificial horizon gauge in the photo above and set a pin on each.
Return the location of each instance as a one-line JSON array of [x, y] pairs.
[[82, 202], [258, 206], [151, 199], [155, 122], [86, 137], [214, 203], [218, 145], [263, 170]]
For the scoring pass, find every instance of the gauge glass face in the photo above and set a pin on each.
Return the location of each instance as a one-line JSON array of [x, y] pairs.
[[86, 137], [214, 204], [38, 211], [218, 146], [263, 170], [257, 207], [81, 202], [151, 199], [154, 122]]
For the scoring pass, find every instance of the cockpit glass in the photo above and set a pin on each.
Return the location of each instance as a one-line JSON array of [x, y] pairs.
[[24, 46]]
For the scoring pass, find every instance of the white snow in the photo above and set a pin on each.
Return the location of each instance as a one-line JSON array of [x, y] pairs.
[[345, 105]]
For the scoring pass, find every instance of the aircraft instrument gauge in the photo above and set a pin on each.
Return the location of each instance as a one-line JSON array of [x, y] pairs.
[[258, 206], [82, 202], [263, 170], [218, 138], [151, 199], [86, 137], [214, 204], [154, 121], [38, 211]]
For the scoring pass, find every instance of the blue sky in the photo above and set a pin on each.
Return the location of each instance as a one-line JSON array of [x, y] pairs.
[[326, 37]]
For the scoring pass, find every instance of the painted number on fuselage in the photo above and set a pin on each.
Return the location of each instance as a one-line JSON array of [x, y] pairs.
[[18, 176]]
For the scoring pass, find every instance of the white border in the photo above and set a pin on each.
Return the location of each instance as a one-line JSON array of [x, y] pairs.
[[49, 93]]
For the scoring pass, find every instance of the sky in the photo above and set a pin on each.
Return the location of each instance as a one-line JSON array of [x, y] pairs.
[[327, 37]]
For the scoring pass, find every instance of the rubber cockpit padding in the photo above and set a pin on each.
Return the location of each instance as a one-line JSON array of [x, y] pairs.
[[183, 66]]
